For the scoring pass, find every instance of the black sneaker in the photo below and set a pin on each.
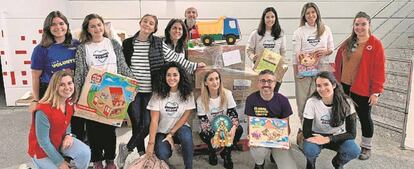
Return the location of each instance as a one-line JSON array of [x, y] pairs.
[[335, 162], [271, 158], [226, 156], [212, 158]]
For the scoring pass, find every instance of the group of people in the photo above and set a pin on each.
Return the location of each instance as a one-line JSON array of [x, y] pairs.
[[328, 102]]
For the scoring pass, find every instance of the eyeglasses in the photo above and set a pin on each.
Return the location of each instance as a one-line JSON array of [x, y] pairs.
[[264, 81]]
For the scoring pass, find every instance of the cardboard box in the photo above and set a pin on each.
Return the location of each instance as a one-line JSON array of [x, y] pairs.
[[105, 97], [220, 56]]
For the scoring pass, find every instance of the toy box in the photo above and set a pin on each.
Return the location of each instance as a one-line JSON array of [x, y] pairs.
[[105, 97]]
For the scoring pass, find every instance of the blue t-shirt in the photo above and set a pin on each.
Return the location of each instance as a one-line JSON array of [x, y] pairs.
[[277, 107], [50, 60]]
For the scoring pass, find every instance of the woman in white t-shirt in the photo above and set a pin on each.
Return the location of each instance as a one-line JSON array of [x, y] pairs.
[[268, 35], [216, 100], [106, 54], [170, 108], [329, 122]]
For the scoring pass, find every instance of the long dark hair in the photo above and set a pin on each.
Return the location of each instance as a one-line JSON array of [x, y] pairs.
[[340, 104], [276, 30], [184, 85], [181, 42], [350, 42], [85, 36], [47, 36], [320, 27]]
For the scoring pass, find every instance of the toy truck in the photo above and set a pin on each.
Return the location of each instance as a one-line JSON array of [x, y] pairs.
[[222, 29]]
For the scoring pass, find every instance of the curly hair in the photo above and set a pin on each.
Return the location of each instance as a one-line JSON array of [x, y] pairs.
[[340, 105], [184, 85]]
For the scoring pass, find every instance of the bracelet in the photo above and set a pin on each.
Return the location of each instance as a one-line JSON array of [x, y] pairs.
[[70, 134]]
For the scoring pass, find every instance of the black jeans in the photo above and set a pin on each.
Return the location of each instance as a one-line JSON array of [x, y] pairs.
[[206, 138], [102, 140], [363, 110], [140, 118]]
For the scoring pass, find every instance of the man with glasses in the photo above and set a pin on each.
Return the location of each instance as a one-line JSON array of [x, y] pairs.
[[267, 103]]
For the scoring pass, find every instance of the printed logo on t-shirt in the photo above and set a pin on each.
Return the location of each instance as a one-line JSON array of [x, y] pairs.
[[326, 119], [312, 40], [215, 111], [57, 63], [101, 55], [171, 107], [261, 111], [269, 43]]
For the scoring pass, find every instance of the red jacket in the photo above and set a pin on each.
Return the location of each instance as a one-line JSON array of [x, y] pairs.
[[59, 122], [370, 77]]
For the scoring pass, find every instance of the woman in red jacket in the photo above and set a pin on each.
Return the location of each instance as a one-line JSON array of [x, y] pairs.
[[360, 67], [50, 139]]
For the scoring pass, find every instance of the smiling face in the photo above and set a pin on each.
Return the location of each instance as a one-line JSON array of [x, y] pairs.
[[191, 13], [266, 84], [176, 31], [270, 19], [66, 87], [311, 16], [96, 28], [213, 82], [361, 27], [58, 28], [147, 25], [325, 88], [173, 78]]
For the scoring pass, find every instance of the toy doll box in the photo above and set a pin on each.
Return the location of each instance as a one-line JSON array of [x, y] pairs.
[[268, 132], [105, 97]]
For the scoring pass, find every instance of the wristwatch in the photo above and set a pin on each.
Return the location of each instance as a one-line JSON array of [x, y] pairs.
[[377, 94]]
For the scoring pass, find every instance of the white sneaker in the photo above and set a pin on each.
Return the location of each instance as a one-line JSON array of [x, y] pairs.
[[122, 155]]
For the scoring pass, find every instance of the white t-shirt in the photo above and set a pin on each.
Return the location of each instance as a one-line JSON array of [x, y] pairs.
[[258, 43], [171, 109], [321, 114], [214, 106], [304, 40], [101, 55]]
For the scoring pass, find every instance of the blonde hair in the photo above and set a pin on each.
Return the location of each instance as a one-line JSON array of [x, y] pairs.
[[52, 92], [205, 93]]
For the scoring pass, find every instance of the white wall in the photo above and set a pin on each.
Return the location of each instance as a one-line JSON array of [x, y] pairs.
[[25, 20]]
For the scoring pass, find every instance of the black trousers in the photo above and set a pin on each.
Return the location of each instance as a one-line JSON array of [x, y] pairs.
[[206, 138], [363, 110], [102, 140], [140, 118]]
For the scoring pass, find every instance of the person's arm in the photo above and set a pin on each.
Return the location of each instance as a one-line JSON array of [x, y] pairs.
[[350, 126], [123, 68], [36, 84], [81, 68], [42, 129], [172, 56], [155, 117], [205, 124], [377, 76], [180, 122], [297, 46], [251, 46], [307, 127], [282, 49]]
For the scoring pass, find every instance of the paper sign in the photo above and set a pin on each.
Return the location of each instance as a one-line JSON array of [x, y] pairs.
[[231, 57]]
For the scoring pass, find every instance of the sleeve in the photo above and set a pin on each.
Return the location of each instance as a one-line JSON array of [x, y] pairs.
[[190, 102], [172, 56], [230, 99], [297, 45], [42, 129], [282, 49], [308, 111], [200, 108], [248, 110], [251, 44], [205, 124], [378, 70], [286, 108], [38, 58], [120, 60], [232, 113], [155, 103], [330, 45], [350, 126], [338, 63], [81, 68], [307, 127]]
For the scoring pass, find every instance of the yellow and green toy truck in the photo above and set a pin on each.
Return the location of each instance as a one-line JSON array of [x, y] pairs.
[[222, 29]]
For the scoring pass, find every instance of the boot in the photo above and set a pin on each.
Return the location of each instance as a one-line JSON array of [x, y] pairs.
[[335, 163], [97, 165], [256, 166], [365, 154], [212, 158], [110, 164], [226, 156]]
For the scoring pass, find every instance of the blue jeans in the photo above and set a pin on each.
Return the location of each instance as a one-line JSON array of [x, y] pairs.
[[184, 137], [79, 152], [346, 151]]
